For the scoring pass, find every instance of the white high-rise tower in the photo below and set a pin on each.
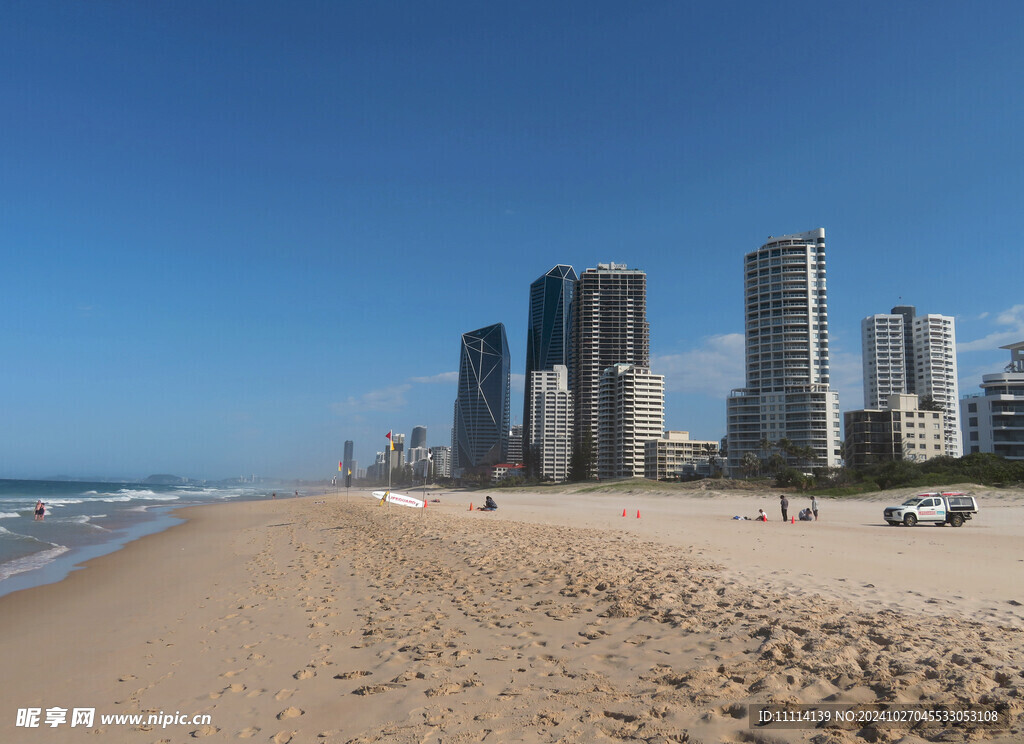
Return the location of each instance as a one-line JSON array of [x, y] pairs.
[[905, 352], [787, 395]]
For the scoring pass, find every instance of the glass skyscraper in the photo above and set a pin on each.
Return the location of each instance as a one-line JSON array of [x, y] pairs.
[[548, 332], [482, 407]]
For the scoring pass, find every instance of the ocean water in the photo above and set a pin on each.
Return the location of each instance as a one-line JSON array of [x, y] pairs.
[[84, 520]]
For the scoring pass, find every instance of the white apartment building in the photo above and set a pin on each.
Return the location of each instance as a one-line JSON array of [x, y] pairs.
[[904, 352], [787, 393], [884, 359], [441, 457], [551, 422], [675, 455], [935, 372], [994, 420], [630, 412]]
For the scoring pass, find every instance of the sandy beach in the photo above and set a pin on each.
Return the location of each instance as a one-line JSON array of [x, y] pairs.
[[554, 619]]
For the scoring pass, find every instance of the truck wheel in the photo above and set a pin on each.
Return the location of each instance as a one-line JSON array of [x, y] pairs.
[[957, 520], [910, 520]]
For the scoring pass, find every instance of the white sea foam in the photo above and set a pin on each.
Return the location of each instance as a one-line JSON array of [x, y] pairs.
[[19, 536], [9, 515], [31, 562]]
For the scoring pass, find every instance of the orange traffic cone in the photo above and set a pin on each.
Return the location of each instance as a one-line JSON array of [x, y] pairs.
[[792, 520], [623, 512], [638, 514], [471, 506]]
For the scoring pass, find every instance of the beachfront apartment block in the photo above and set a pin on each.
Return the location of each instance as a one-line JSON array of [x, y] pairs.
[[609, 327], [515, 444], [481, 421], [551, 422], [441, 458], [631, 412], [898, 431], [787, 393], [994, 419], [884, 359], [548, 336], [904, 352], [674, 455]]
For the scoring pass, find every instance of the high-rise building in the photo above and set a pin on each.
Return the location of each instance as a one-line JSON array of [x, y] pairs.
[[347, 463], [631, 412], [904, 352], [609, 322], [994, 420], [548, 331], [787, 394], [395, 457], [482, 405], [515, 445], [884, 358], [936, 372], [418, 437], [551, 414], [441, 457]]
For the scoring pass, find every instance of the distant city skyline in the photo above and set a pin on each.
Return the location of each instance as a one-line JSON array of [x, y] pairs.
[[236, 236]]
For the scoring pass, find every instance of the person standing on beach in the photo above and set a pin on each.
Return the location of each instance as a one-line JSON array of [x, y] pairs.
[[784, 503], [40, 511], [814, 508]]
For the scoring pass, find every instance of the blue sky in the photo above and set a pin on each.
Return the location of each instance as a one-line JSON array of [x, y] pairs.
[[236, 234]]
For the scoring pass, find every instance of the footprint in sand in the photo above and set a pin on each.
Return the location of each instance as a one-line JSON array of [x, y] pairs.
[[304, 674], [247, 733], [290, 712], [284, 695], [204, 731], [283, 737]]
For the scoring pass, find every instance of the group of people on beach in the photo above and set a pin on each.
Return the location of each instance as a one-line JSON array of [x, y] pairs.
[[40, 511], [809, 514]]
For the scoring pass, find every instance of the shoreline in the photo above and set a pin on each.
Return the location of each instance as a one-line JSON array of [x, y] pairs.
[[315, 619]]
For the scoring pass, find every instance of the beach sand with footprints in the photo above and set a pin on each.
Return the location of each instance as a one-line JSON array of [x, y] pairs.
[[554, 619]]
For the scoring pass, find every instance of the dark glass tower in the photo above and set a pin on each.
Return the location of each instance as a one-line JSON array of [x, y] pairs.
[[347, 459], [548, 332], [481, 408]]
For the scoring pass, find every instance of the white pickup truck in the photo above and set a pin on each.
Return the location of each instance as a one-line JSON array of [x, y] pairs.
[[951, 507]]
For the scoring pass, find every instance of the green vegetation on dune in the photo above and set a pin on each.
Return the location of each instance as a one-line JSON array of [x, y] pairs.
[[983, 468]]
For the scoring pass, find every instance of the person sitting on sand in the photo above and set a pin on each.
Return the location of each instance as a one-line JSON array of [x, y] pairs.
[[805, 515], [761, 516], [489, 504]]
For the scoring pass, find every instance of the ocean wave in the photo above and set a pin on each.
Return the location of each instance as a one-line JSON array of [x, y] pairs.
[[31, 562], [19, 536], [9, 515], [85, 519]]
